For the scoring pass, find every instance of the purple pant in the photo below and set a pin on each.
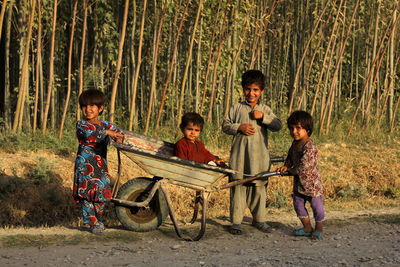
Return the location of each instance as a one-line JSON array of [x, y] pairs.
[[299, 203]]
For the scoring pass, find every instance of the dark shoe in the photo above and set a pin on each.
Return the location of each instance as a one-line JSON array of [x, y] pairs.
[[235, 229], [263, 227]]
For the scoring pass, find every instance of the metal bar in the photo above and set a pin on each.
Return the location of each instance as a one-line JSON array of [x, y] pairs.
[[249, 179], [139, 204], [172, 214], [197, 199], [204, 201], [116, 184]]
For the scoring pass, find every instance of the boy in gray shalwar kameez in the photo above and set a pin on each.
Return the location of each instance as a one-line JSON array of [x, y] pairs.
[[249, 121]]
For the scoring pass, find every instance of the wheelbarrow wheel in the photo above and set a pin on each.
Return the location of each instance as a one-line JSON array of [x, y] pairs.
[[141, 219]]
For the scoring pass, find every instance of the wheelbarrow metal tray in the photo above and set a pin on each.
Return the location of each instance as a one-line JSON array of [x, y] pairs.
[[156, 158]]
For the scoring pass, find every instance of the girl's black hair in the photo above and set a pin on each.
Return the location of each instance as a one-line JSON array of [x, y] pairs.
[[92, 97], [303, 118], [253, 76], [192, 117]]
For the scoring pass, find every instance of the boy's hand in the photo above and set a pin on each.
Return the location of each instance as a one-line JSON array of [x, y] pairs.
[[256, 114], [246, 129], [221, 163]]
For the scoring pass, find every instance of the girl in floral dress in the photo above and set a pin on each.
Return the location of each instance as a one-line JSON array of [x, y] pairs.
[[302, 163], [91, 180]]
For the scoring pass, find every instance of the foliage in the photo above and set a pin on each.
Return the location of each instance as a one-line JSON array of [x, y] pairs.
[[255, 36], [42, 173]]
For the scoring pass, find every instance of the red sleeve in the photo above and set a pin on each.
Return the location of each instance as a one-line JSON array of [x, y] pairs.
[[181, 149], [207, 155]]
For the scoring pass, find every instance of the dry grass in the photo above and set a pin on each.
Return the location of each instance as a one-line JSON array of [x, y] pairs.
[[355, 178]]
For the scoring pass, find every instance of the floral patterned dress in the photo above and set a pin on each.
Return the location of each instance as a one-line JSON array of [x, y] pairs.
[[91, 179], [305, 161]]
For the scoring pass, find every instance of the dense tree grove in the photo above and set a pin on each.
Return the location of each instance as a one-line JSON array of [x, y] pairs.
[[337, 59]]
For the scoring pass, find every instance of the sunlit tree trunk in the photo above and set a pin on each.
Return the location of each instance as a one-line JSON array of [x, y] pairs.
[[3, 11], [209, 57], [38, 62], [217, 63], [299, 67], [154, 68], [363, 94], [379, 65], [392, 69], [171, 68], [332, 39], [24, 74], [7, 85], [189, 59], [81, 60], [51, 68], [198, 68], [71, 42], [137, 70], [118, 68]]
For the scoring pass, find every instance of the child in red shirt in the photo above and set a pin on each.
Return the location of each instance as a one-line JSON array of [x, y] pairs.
[[189, 147]]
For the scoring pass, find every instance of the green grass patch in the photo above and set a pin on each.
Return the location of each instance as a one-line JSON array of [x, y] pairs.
[[43, 241]]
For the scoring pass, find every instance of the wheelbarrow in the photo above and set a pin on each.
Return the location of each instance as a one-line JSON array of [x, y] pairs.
[[143, 203]]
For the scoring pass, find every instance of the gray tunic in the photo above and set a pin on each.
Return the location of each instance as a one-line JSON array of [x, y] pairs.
[[249, 154]]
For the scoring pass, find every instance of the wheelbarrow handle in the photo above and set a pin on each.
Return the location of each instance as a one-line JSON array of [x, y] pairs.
[[251, 178], [277, 159]]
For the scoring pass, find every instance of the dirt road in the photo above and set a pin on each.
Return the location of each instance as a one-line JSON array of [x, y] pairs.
[[350, 239]]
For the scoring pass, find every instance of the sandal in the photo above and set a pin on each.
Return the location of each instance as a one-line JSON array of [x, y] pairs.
[[97, 229], [236, 229], [301, 232], [101, 225], [263, 227], [316, 235]]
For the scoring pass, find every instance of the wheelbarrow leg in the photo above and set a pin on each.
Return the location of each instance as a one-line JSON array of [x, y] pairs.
[[204, 200], [197, 199]]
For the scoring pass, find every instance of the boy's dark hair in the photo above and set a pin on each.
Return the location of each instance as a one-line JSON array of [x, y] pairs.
[[302, 117], [253, 76], [192, 117], [92, 97]]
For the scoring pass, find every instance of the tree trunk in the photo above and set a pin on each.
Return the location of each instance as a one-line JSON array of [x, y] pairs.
[[46, 112], [370, 73], [198, 68], [209, 58], [139, 62], [303, 56], [189, 59], [154, 68], [390, 113], [118, 68], [71, 42], [24, 75], [217, 63], [3, 10], [85, 10], [38, 60], [332, 38], [7, 85], [171, 68]]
